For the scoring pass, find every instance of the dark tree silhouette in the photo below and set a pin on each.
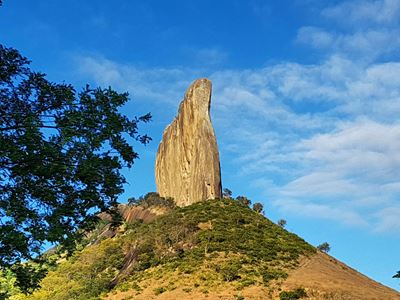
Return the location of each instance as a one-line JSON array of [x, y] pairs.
[[243, 200], [258, 207], [61, 153], [324, 247], [226, 193], [282, 223]]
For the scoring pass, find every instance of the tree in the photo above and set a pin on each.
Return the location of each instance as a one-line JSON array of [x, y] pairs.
[[258, 207], [243, 200], [226, 193], [61, 153], [152, 199], [282, 223], [397, 275], [324, 247]]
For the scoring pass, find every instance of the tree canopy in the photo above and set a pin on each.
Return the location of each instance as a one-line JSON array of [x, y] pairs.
[[258, 207], [61, 152], [282, 223], [324, 247]]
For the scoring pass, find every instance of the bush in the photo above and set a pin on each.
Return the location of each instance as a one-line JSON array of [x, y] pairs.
[[245, 282], [229, 271], [282, 223], [324, 247], [159, 290], [152, 199], [292, 295], [272, 274], [243, 200], [85, 276], [258, 207], [226, 193]]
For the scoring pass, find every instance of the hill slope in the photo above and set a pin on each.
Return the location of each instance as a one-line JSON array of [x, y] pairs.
[[218, 249]]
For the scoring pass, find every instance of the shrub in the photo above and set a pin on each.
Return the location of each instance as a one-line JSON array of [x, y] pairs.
[[258, 207], [324, 247], [245, 282], [292, 295], [152, 199], [159, 290], [269, 274], [226, 193], [282, 223], [243, 200], [86, 275], [229, 271]]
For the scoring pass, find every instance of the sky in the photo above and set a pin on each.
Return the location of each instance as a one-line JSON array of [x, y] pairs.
[[305, 105]]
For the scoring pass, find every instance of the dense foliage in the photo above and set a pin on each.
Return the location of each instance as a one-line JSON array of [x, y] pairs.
[[324, 247], [238, 244], [152, 199], [61, 153]]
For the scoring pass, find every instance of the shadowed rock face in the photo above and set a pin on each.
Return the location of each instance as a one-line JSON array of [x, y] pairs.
[[187, 163]]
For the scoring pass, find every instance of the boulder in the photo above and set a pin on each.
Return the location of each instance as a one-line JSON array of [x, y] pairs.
[[187, 164]]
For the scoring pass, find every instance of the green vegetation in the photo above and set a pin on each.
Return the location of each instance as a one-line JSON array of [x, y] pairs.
[[61, 155], [228, 241], [152, 199], [258, 207], [8, 286], [226, 193], [282, 223], [324, 247], [85, 275], [243, 200], [293, 295], [159, 290]]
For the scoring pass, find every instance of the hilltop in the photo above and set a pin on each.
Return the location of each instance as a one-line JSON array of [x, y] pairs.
[[217, 249]]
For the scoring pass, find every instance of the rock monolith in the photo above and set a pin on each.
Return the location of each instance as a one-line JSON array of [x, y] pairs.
[[187, 164]]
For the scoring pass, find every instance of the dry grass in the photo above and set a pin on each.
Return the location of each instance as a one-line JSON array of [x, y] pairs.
[[322, 276]]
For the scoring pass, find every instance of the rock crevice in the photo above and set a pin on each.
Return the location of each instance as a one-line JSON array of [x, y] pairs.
[[187, 163]]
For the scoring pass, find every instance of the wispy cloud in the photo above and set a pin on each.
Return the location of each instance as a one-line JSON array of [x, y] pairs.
[[322, 139], [361, 12], [160, 84], [363, 30]]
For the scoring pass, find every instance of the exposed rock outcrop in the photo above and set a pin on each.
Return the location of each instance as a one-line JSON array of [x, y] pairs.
[[187, 163]]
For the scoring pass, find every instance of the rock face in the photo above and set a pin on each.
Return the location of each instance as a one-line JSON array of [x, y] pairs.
[[187, 163]]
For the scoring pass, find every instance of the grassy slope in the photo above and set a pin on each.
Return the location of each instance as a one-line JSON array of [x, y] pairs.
[[213, 243]]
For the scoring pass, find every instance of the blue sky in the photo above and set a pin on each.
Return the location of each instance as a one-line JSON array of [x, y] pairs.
[[306, 99]]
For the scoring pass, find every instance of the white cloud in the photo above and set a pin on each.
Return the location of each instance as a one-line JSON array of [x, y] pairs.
[[388, 219], [321, 139], [161, 84], [322, 211], [210, 56], [363, 30], [365, 45], [315, 37], [361, 12]]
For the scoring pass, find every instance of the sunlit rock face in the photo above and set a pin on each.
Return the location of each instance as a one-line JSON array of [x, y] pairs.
[[187, 164]]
